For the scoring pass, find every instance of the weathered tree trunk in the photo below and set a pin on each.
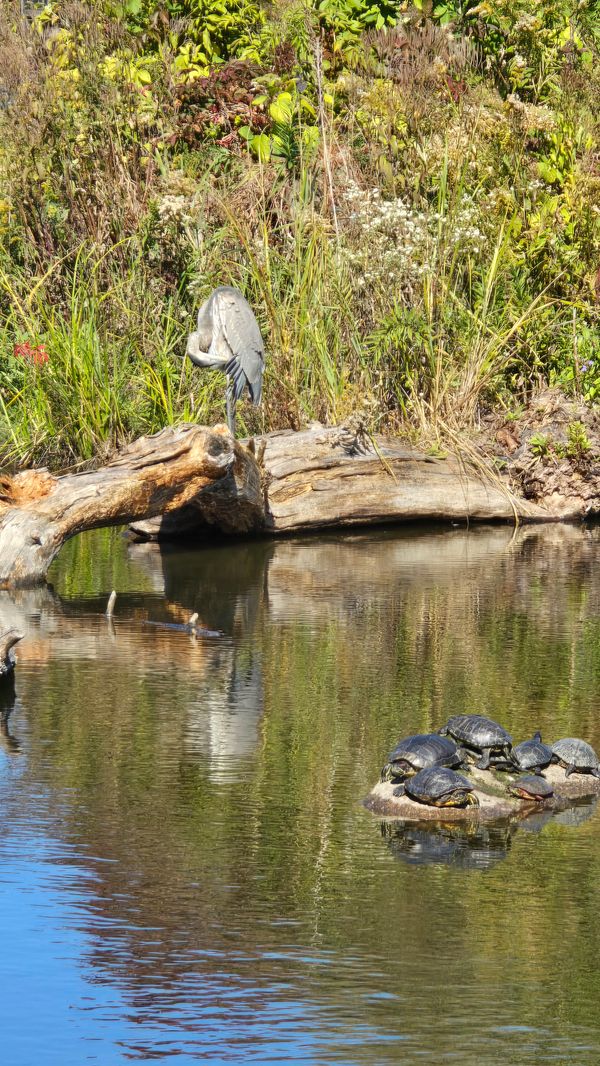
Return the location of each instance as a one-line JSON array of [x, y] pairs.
[[325, 477], [39, 512], [322, 477], [197, 480]]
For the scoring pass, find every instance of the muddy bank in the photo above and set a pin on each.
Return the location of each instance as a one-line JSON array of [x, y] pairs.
[[494, 801], [549, 452]]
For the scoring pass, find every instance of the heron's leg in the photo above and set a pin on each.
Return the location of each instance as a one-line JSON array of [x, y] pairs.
[[230, 407]]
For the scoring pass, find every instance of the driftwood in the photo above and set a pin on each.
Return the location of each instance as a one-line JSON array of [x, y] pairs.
[[327, 477], [197, 480]]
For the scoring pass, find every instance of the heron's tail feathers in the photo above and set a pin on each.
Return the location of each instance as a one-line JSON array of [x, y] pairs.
[[236, 376], [239, 380], [255, 388]]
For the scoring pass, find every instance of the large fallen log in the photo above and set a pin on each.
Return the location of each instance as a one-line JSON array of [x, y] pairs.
[[198, 480], [39, 512], [326, 477]]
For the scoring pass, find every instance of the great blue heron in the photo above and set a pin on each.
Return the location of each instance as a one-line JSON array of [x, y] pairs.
[[228, 339]]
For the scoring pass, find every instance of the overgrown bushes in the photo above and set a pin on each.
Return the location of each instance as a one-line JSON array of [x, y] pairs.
[[410, 199]]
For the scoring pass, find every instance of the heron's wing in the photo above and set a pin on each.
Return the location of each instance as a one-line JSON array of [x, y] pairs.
[[241, 331]]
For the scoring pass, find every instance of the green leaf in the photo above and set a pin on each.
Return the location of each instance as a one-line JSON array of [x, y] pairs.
[[282, 109], [261, 147]]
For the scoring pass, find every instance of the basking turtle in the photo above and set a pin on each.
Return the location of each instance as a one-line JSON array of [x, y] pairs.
[[439, 787], [417, 753], [529, 755], [576, 756], [481, 735], [532, 787]]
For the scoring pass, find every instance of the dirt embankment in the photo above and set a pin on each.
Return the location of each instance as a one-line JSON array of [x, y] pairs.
[[551, 453]]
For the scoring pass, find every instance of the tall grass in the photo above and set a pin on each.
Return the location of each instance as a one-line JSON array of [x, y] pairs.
[[113, 342]]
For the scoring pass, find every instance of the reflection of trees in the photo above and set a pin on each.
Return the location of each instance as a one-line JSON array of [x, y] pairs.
[[223, 778]]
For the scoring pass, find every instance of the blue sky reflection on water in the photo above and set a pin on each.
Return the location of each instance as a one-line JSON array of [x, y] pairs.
[[56, 1009]]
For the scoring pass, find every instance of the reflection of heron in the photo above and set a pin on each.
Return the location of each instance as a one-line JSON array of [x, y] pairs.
[[228, 339]]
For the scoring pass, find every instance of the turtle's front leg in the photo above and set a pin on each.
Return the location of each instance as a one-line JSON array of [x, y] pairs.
[[484, 762]]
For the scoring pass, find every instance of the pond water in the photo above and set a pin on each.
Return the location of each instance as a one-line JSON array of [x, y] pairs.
[[186, 871]]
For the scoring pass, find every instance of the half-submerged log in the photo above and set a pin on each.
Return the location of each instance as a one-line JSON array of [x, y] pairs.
[[8, 639], [198, 480], [39, 512], [492, 796]]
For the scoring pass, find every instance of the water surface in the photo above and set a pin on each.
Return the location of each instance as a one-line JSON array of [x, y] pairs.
[[186, 870]]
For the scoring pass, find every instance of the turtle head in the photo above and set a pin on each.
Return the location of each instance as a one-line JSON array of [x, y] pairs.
[[471, 800], [396, 771]]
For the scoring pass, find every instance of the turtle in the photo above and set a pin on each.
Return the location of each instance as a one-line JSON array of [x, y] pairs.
[[479, 734], [532, 787], [576, 756], [438, 786], [528, 755], [418, 752]]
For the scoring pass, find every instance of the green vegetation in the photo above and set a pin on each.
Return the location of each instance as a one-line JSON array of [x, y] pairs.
[[408, 196]]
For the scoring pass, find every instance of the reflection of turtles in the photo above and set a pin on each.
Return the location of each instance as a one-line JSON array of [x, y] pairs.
[[439, 787], [530, 755], [479, 734], [466, 846], [417, 753], [576, 756], [532, 787]]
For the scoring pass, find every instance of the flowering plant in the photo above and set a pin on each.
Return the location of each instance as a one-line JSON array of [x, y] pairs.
[[35, 354]]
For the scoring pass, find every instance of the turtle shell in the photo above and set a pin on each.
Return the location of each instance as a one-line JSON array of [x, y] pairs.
[[531, 754], [477, 732], [531, 787], [420, 751], [439, 787], [576, 754]]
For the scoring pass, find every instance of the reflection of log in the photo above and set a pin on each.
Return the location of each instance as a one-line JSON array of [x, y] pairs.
[[7, 643], [39, 512], [318, 478]]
